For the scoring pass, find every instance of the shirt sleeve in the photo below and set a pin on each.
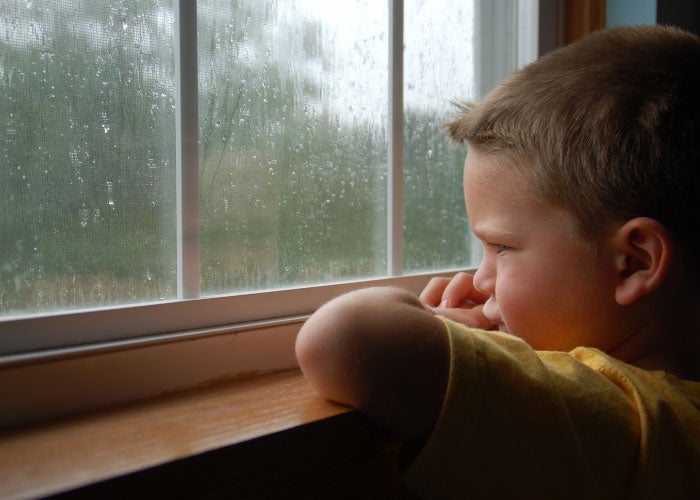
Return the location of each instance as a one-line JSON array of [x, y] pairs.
[[517, 423]]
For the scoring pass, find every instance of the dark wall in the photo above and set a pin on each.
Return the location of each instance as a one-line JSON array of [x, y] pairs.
[[682, 13]]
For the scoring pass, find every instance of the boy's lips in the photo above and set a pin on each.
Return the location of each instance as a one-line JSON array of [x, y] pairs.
[[492, 313]]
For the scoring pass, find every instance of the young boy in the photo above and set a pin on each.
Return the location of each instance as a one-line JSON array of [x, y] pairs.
[[582, 183]]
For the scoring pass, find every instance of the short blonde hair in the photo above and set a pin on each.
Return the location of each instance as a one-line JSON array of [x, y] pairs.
[[609, 127]]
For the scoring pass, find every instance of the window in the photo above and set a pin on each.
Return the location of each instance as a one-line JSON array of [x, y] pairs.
[[173, 166]]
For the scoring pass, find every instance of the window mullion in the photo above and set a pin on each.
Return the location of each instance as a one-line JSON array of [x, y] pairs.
[[187, 130], [528, 31], [395, 167]]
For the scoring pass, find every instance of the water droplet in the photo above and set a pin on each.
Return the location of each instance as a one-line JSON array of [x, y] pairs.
[[83, 215], [110, 194]]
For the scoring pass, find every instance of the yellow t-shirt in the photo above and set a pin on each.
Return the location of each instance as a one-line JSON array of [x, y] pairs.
[[519, 423]]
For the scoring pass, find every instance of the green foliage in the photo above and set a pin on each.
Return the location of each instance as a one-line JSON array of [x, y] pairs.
[[290, 192], [435, 219], [87, 152]]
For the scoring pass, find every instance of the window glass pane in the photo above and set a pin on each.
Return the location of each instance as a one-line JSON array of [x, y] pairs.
[[87, 158], [438, 68], [293, 103], [293, 148]]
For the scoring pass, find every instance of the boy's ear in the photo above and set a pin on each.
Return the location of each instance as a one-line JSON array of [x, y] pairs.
[[643, 252]]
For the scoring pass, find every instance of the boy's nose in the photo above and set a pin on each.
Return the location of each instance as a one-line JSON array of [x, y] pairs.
[[485, 278]]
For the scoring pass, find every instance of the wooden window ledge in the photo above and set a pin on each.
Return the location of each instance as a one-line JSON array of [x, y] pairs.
[[266, 436]]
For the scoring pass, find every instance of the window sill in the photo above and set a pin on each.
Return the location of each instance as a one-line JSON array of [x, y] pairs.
[[196, 343], [268, 426]]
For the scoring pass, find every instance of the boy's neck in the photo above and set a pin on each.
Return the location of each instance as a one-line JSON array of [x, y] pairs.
[[682, 364], [676, 350], [666, 336]]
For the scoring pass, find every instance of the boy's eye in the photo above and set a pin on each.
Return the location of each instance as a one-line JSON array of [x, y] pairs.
[[495, 248]]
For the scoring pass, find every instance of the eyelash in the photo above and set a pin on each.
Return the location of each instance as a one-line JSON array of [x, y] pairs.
[[501, 248]]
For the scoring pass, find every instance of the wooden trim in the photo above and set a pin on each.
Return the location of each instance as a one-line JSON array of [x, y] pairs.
[[583, 17], [82, 451], [81, 378], [342, 457], [39, 391]]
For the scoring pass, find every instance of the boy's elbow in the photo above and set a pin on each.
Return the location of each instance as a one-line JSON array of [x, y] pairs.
[[318, 347], [378, 350], [338, 342]]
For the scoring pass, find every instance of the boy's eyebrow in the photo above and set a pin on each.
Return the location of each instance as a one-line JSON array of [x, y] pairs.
[[491, 233]]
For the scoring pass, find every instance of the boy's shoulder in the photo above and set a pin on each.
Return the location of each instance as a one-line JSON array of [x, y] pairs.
[[554, 421]]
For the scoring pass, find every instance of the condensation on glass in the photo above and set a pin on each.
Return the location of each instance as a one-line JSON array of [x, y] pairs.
[[293, 142], [293, 146], [87, 156], [438, 68]]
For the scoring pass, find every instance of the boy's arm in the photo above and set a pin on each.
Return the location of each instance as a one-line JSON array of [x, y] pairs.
[[381, 351]]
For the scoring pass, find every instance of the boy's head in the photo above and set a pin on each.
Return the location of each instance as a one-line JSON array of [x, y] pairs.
[[607, 128], [594, 146]]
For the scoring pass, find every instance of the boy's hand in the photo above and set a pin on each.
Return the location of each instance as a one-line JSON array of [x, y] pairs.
[[456, 298]]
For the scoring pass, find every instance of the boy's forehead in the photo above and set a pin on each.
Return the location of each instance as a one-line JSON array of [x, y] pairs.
[[489, 168], [504, 203], [486, 159], [494, 184]]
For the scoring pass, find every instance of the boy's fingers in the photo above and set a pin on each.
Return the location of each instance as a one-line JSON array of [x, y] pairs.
[[432, 293], [460, 290], [473, 317]]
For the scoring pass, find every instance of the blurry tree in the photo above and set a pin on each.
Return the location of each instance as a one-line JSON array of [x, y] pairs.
[[435, 219], [292, 190], [292, 193], [87, 150]]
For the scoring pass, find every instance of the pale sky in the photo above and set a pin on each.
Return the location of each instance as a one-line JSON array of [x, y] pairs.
[[438, 63]]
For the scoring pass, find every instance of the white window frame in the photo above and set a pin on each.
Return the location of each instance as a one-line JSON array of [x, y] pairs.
[[75, 360]]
